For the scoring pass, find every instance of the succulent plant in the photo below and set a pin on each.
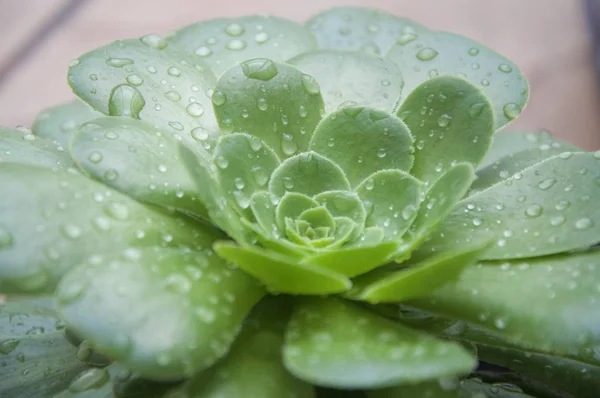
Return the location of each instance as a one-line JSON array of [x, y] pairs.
[[253, 207]]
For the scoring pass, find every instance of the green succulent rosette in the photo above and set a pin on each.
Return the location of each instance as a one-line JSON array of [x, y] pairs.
[[254, 207]]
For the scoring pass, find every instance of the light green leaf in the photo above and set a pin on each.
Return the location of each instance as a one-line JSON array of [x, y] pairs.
[[561, 292], [224, 42], [427, 54], [364, 140], [178, 311], [137, 159], [291, 205], [333, 343], [352, 28], [353, 78], [20, 146], [548, 208], [244, 165], [263, 207], [60, 122], [283, 274], [308, 173], [253, 366], [451, 121], [345, 204], [273, 101], [149, 80], [36, 359], [391, 199], [71, 218]]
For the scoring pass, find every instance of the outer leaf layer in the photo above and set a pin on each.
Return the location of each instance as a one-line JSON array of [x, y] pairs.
[[60, 122], [20, 146]]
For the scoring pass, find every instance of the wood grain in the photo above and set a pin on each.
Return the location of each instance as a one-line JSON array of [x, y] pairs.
[[547, 38]]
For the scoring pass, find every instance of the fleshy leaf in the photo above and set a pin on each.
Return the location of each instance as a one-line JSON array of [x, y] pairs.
[[388, 286], [20, 146], [244, 165], [308, 173], [360, 29], [60, 122], [353, 78], [225, 42], [451, 121], [333, 343], [364, 140], [273, 101], [263, 208], [253, 366], [546, 209], [163, 313], [37, 360], [345, 204], [149, 80], [283, 274], [291, 206], [71, 218], [561, 292], [391, 198], [133, 157], [427, 54]]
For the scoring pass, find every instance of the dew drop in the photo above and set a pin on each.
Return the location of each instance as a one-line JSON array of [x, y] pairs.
[[125, 100], [427, 54], [199, 134], [173, 96], [546, 183], [261, 37], [221, 162], [234, 29], [134, 80], [262, 104], [534, 211], [219, 98], [473, 51], [119, 62], [194, 109], [476, 109], [95, 157], [584, 223], [178, 283], [504, 68], [310, 85], [203, 51], [511, 110], [93, 378], [444, 120], [154, 41], [259, 69], [236, 45]]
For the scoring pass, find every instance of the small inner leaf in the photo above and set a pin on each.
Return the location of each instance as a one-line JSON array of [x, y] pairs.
[[292, 205]]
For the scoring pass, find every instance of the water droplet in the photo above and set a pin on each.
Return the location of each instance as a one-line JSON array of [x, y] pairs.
[[110, 175], [206, 315], [259, 69], [173, 96], [310, 85], [195, 109], [125, 100], [427, 54], [178, 283], [444, 120], [203, 51], [84, 351], [95, 157], [534, 211], [74, 63], [476, 109], [154, 41], [239, 183], [151, 69], [546, 183], [8, 346], [236, 45], [221, 162], [485, 82], [473, 51], [119, 62], [71, 231], [262, 104], [219, 98], [302, 111], [584, 223], [134, 80], [234, 29], [511, 110], [117, 211], [500, 323], [199, 134], [504, 68], [369, 184], [556, 221], [288, 183], [406, 38], [563, 205], [288, 144], [261, 37], [260, 176], [477, 221], [93, 378]]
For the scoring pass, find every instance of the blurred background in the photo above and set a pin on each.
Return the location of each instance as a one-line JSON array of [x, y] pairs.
[[551, 40]]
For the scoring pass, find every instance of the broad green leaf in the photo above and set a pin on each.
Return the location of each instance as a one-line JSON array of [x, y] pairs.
[[333, 343], [20, 146], [451, 121], [353, 78], [427, 54], [389, 286], [244, 165], [35, 357], [391, 199], [510, 142], [71, 218], [149, 80], [364, 140], [164, 313], [274, 101], [225, 42], [548, 208], [253, 366], [564, 375], [282, 274], [291, 205], [60, 122], [137, 159], [561, 292], [360, 29], [308, 173]]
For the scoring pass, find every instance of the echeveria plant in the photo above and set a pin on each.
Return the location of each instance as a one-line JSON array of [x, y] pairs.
[[252, 207]]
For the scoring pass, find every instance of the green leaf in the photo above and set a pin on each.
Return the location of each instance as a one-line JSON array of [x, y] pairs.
[[510, 142], [253, 366], [273, 101], [353, 78], [134, 158], [389, 286], [345, 204], [548, 208], [244, 165], [561, 292], [364, 140], [178, 311], [20, 146], [60, 122], [224, 42], [451, 121], [36, 359], [333, 343], [71, 218], [291, 205], [263, 205], [391, 199], [282, 274], [149, 80], [427, 54], [308, 173], [360, 29]]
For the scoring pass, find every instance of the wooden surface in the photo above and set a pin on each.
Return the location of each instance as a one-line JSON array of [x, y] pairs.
[[547, 38]]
